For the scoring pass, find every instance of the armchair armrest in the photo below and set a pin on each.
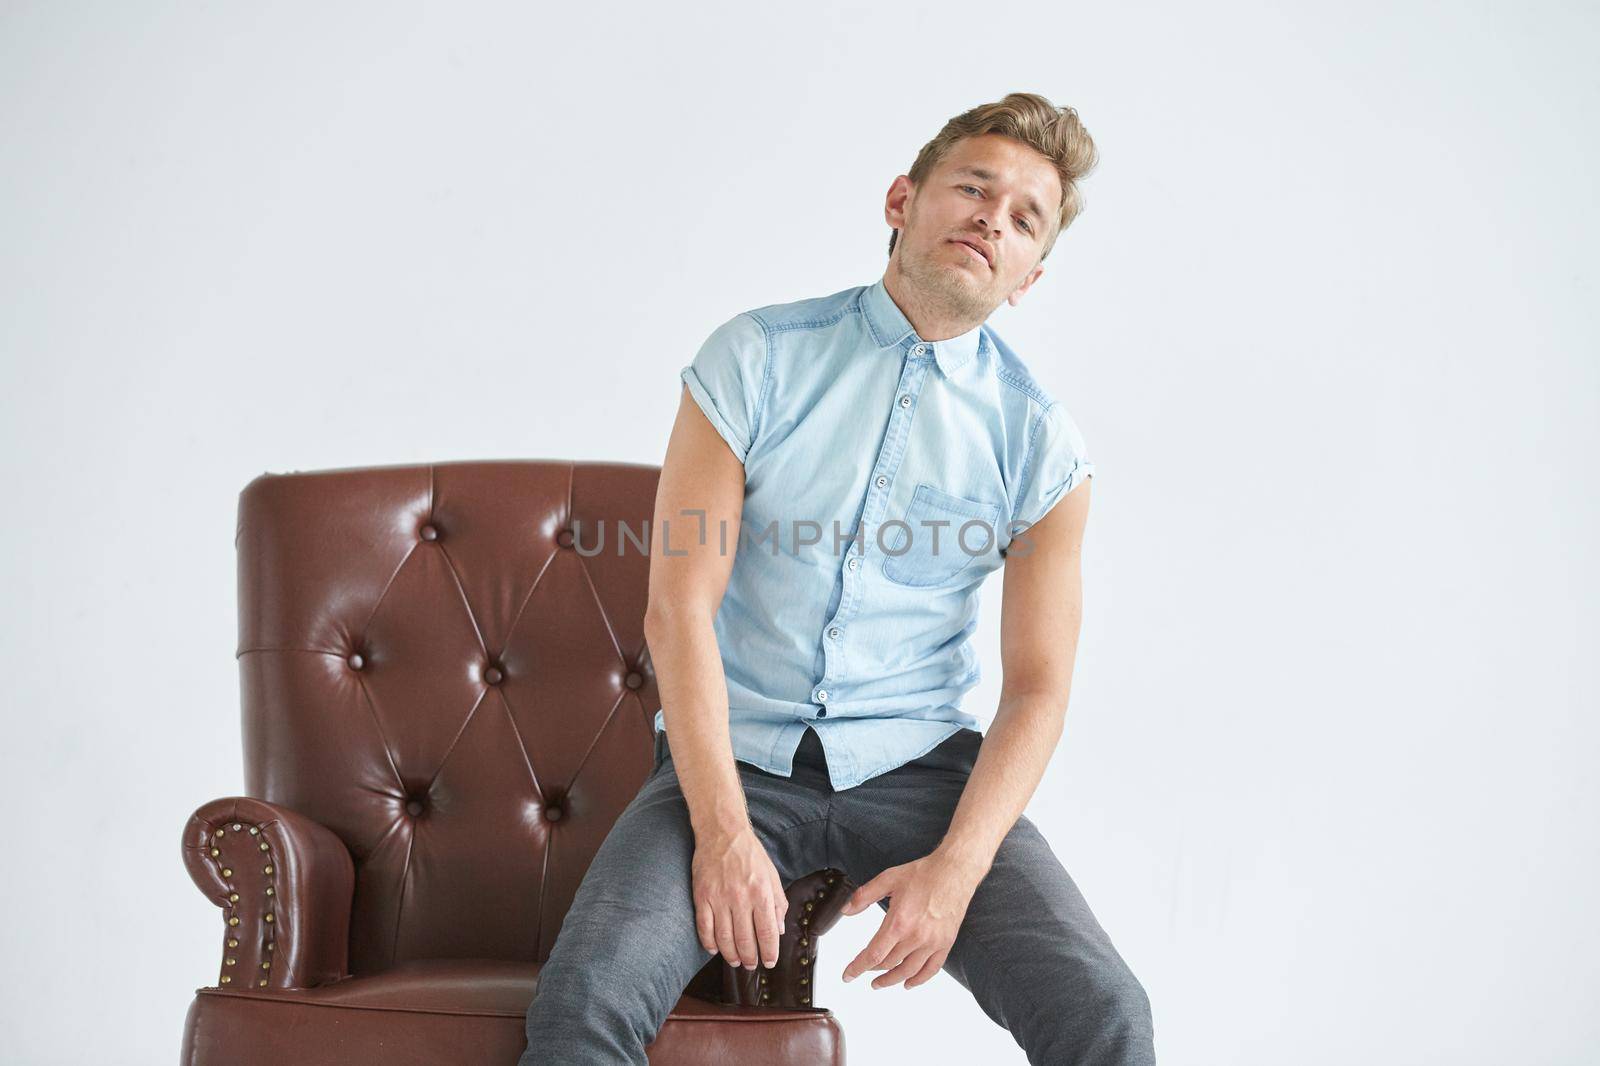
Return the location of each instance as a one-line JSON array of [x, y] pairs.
[[285, 885], [815, 902]]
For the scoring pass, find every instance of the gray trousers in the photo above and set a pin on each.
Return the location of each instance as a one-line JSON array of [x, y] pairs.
[[1029, 949]]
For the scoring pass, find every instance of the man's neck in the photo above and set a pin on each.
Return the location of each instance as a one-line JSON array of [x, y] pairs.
[[932, 322]]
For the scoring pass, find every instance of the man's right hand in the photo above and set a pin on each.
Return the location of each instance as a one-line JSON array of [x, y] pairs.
[[739, 901]]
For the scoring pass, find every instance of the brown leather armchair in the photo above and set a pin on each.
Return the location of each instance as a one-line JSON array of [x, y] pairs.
[[447, 701]]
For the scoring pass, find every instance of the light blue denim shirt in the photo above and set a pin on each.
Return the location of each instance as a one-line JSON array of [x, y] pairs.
[[866, 451]]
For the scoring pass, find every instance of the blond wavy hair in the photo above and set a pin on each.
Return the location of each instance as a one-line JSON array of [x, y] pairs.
[[1054, 132]]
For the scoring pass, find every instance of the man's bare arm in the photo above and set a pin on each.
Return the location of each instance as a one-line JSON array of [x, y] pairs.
[[740, 901], [1039, 640], [1040, 616], [702, 484]]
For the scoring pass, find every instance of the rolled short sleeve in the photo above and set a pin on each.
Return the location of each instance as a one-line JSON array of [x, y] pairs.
[[1058, 461], [726, 379]]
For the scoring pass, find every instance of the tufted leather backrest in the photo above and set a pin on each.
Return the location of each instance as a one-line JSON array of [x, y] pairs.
[[434, 668]]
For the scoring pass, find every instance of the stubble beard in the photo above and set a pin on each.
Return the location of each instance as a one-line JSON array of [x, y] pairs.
[[938, 282]]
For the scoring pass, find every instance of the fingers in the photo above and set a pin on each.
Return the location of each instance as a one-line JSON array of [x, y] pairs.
[[886, 883], [747, 932], [705, 924], [907, 967], [744, 937], [726, 942], [866, 895], [934, 964], [768, 928], [871, 957]]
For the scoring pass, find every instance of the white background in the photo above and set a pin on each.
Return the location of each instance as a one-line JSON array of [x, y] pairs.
[[1327, 322]]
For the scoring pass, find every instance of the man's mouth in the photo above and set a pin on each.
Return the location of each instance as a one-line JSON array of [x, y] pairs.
[[979, 256]]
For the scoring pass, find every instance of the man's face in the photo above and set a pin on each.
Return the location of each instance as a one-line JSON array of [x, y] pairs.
[[972, 234]]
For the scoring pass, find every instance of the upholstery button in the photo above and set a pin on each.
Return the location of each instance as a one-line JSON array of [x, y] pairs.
[[564, 538], [493, 675], [905, 401], [429, 532], [633, 680], [356, 661], [413, 807], [552, 812]]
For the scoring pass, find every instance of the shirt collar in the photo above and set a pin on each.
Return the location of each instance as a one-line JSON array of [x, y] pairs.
[[890, 328]]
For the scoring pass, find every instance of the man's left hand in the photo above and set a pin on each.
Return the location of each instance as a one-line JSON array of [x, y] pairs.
[[930, 900]]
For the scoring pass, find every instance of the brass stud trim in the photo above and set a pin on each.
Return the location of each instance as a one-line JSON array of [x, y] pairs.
[[226, 978], [254, 831], [226, 872], [215, 853], [232, 943], [219, 832], [233, 921], [229, 962], [269, 918], [262, 984], [267, 869]]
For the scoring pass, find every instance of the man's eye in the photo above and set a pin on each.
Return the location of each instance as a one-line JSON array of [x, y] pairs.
[[974, 188], [1027, 225]]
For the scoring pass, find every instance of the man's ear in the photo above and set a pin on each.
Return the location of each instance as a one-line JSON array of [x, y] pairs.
[[1027, 283], [894, 204]]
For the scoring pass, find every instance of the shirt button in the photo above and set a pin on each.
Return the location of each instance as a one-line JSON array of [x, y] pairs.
[[905, 401], [822, 695], [854, 564], [921, 349], [882, 481], [834, 632]]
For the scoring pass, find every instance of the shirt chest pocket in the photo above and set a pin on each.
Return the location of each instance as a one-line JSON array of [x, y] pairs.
[[931, 547]]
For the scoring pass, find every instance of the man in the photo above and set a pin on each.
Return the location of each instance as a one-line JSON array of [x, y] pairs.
[[843, 474]]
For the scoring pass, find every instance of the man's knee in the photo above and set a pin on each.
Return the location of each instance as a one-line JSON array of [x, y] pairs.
[[1125, 1005], [629, 958], [595, 1009], [1109, 1020]]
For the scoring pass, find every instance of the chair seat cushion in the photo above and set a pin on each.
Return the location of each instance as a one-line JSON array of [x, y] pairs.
[[443, 1011]]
